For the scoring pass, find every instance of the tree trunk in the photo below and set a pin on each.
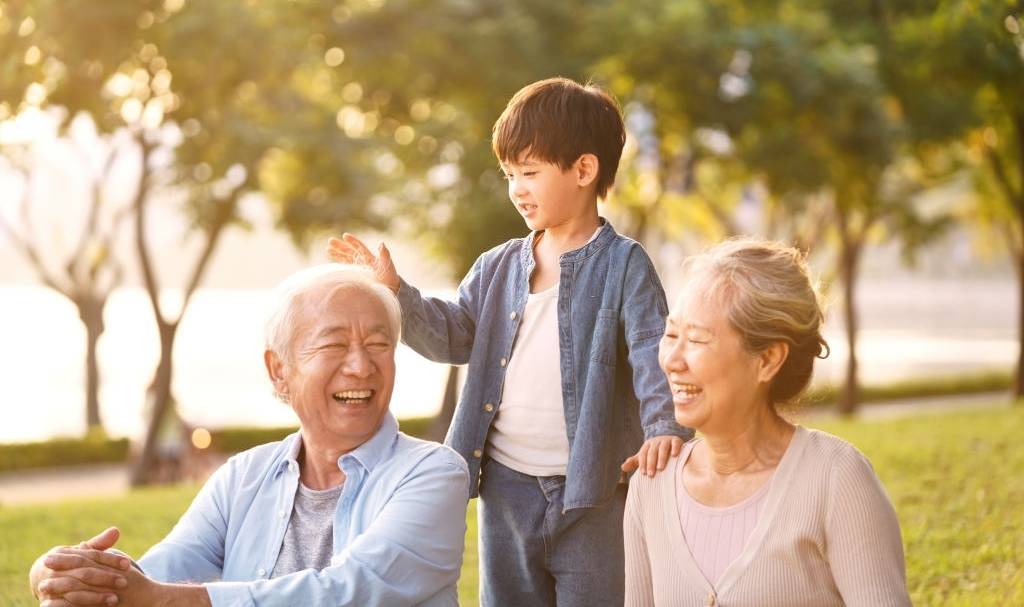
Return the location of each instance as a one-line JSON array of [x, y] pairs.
[[439, 427], [1018, 375], [848, 261], [91, 312], [146, 467], [1018, 383]]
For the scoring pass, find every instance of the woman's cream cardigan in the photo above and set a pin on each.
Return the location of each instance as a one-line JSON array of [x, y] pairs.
[[827, 535]]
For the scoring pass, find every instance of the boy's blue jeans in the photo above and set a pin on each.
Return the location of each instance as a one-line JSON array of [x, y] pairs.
[[533, 554]]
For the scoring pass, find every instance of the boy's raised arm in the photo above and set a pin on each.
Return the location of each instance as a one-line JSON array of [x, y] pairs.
[[437, 329]]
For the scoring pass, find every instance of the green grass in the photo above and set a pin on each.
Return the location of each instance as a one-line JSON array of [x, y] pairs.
[[956, 480]]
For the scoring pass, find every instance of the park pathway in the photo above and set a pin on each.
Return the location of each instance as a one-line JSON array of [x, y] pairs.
[[103, 480]]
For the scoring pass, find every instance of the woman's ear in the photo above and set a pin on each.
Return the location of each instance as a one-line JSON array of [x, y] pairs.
[[587, 167], [771, 360], [276, 372]]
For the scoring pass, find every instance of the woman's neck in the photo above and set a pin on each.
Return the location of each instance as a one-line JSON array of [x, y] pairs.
[[753, 446]]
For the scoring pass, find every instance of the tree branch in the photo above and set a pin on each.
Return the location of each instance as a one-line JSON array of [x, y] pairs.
[[24, 244], [77, 257], [140, 205], [222, 217], [1003, 180]]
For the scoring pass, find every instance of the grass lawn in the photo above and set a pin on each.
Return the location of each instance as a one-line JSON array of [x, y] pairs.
[[956, 480]]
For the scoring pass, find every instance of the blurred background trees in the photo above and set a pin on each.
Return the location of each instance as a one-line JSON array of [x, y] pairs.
[[818, 122]]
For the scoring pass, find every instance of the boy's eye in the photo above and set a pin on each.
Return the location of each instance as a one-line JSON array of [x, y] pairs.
[[529, 173]]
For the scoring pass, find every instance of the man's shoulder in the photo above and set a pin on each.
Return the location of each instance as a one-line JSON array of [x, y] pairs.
[[258, 458], [424, 455]]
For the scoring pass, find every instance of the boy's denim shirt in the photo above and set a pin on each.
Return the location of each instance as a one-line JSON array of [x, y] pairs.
[[611, 316]]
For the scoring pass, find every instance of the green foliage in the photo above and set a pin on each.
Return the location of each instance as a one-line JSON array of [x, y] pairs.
[[233, 440], [990, 381], [955, 481], [953, 478], [63, 452]]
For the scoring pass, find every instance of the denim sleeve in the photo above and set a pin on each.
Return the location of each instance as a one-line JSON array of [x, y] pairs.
[[438, 329], [411, 552], [644, 310], [194, 549]]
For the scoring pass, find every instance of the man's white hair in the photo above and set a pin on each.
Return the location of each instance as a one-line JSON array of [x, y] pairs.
[[280, 327]]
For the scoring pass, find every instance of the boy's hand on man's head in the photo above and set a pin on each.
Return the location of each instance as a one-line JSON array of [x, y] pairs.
[[653, 455], [349, 249]]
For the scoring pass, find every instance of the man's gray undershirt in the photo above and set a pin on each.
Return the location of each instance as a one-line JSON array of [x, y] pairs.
[[309, 540]]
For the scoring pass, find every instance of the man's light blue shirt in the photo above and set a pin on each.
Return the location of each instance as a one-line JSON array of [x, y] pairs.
[[399, 528]]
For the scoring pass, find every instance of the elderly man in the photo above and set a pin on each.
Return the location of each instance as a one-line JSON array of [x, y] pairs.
[[347, 511]]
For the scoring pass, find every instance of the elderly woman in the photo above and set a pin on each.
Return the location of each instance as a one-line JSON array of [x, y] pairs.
[[347, 511], [756, 511]]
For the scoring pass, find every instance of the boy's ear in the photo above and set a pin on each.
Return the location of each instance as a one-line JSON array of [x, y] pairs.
[[587, 167]]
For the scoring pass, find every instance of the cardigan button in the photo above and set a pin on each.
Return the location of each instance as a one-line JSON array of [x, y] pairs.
[[712, 601], [512, 316], [477, 453], [504, 362], [488, 407]]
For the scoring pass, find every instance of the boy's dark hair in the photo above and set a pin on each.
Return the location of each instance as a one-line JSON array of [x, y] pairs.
[[558, 120]]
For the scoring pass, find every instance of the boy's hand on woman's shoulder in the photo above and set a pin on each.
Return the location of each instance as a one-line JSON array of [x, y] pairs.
[[653, 455], [349, 249]]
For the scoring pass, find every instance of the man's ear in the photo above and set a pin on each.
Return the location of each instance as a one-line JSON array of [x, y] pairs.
[[587, 167], [276, 372], [771, 359]]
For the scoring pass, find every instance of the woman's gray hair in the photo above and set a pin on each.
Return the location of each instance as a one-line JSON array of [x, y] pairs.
[[280, 326], [768, 297]]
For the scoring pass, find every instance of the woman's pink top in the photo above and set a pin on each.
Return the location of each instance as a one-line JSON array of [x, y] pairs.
[[715, 536]]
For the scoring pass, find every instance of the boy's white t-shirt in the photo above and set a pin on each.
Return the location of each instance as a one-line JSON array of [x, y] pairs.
[[528, 434]]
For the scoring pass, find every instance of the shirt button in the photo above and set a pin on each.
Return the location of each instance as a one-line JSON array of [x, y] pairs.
[[504, 361], [262, 572], [488, 407], [512, 316], [477, 453], [282, 513]]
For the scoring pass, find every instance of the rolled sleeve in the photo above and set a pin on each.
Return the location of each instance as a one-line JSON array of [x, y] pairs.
[[644, 310], [441, 330]]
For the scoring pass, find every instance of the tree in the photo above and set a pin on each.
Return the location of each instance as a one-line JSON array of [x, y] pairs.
[[92, 269], [41, 70], [789, 102], [967, 110]]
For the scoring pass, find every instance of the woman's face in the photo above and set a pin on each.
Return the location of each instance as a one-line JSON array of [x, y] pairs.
[[714, 379]]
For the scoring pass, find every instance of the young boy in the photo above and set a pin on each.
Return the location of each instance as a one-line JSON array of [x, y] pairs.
[[561, 332]]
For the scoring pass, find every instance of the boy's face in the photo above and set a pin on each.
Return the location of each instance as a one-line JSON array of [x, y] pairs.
[[544, 194]]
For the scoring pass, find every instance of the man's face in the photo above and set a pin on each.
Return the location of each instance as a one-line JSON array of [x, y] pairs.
[[341, 370], [544, 194]]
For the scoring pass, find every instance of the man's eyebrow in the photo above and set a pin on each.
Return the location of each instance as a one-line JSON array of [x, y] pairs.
[[332, 329]]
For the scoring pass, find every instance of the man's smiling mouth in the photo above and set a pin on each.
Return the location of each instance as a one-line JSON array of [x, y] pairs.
[[353, 397]]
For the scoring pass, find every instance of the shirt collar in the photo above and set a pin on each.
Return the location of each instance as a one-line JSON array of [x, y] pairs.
[[604, 235], [368, 454]]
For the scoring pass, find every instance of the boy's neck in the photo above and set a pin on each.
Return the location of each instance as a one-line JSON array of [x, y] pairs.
[[571, 234]]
